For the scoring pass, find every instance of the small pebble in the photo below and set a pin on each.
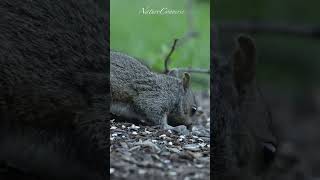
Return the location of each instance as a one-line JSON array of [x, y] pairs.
[[142, 171], [172, 173], [148, 132], [112, 170], [192, 147], [199, 165], [134, 127], [163, 136]]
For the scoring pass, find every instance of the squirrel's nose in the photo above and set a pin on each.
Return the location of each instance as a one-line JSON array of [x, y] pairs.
[[189, 126]]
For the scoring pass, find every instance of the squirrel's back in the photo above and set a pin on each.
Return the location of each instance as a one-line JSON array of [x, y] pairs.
[[53, 59], [120, 64], [129, 76], [125, 72]]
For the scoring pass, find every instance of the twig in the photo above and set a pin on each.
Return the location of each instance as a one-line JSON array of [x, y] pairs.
[[268, 27], [194, 70], [166, 61], [189, 34], [200, 70]]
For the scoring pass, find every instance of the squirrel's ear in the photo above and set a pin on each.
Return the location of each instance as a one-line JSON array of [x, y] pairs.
[[173, 72], [244, 61], [186, 80]]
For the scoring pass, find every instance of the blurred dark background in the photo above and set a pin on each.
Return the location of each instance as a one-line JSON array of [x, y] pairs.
[[287, 35]]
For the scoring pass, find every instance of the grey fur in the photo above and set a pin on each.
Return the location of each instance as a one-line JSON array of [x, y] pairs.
[[242, 128], [53, 79], [157, 98]]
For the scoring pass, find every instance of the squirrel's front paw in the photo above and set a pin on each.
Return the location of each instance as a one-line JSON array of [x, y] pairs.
[[179, 129], [182, 129]]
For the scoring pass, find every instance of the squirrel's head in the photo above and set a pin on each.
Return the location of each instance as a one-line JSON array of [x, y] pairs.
[[187, 106]]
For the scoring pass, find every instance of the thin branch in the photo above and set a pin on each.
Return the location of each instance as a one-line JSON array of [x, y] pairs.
[[194, 70], [166, 61], [191, 33], [268, 27], [200, 70]]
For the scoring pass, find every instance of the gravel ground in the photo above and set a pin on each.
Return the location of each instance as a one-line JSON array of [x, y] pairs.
[[144, 152]]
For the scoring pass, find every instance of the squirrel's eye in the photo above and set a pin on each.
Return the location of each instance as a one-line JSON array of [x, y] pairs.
[[193, 110], [269, 151]]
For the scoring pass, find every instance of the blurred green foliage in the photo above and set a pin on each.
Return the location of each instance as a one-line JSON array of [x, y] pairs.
[[150, 37]]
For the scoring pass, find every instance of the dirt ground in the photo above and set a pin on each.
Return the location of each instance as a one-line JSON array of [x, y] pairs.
[[149, 153]]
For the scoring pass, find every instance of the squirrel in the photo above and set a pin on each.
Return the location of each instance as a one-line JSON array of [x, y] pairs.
[[245, 141], [54, 88], [165, 100]]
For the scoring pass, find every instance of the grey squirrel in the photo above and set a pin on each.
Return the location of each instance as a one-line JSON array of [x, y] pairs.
[[244, 140], [159, 99], [54, 89]]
